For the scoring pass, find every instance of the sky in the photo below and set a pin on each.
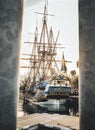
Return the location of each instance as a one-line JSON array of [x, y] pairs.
[[65, 19]]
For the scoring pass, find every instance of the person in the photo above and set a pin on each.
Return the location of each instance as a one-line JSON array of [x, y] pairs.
[[74, 106]]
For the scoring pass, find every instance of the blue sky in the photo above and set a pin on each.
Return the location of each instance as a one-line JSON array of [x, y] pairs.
[[65, 20]]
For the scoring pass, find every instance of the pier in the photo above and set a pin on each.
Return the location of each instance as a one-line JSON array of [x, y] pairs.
[[56, 120]]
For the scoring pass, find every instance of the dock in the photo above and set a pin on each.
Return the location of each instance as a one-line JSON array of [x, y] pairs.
[[56, 120]]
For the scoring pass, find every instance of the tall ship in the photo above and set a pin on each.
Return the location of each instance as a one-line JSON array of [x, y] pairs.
[[45, 71]]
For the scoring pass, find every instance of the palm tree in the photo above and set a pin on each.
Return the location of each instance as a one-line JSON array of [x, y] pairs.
[[74, 81]]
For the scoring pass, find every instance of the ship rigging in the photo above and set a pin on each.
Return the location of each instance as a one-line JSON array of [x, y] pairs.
[[43, 67]]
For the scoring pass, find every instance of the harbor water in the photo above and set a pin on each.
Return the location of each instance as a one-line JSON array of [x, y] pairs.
[[65, 107]]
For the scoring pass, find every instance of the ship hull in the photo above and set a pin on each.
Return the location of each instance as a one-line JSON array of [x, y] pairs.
[[57, 92]]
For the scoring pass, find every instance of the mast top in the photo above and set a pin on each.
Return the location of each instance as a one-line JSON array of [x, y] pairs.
[[45, 10]]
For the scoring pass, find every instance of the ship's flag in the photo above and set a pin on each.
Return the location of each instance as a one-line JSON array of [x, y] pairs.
[[63, 65]]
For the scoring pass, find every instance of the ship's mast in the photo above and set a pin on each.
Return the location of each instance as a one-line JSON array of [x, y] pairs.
[[43, 52], [33, 63], [42, 49], [51, 52], [35, 56]]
